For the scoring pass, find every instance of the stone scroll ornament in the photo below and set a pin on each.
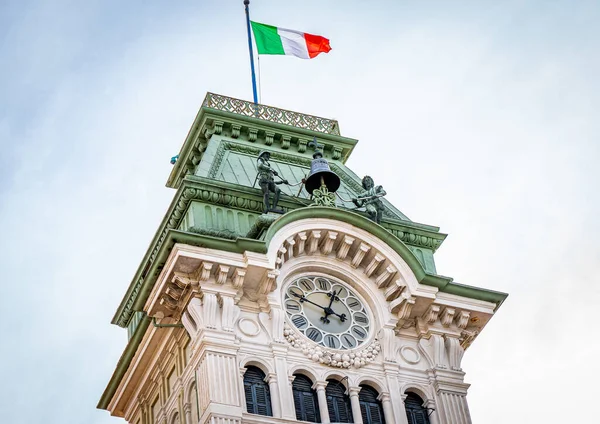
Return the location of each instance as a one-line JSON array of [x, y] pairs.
[[334, 358]]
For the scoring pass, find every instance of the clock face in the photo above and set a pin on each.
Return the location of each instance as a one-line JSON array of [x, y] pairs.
[[327, 312]]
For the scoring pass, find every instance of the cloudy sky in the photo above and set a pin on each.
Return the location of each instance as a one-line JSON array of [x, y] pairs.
[[477, 116]]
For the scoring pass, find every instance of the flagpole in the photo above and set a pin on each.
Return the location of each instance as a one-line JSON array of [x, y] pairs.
[[246, 3]]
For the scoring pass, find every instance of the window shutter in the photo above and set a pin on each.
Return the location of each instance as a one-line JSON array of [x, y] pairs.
[[305, 400], [258, 398], [370, 408], [415, 412], [338, 402]]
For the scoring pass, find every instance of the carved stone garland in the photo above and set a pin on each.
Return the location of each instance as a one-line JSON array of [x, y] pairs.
[[333, 358]]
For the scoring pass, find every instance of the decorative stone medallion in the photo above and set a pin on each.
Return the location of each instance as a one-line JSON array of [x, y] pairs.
[[410, 354]]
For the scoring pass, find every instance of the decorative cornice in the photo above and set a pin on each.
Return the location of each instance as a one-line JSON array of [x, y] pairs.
[[240, 197], [284, 127], [271, 114]]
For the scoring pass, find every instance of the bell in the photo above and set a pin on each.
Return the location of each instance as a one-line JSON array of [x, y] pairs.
[[320, 174]]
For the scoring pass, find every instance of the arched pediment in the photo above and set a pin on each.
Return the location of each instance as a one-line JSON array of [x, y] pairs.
[[372, 230], [352, 239]]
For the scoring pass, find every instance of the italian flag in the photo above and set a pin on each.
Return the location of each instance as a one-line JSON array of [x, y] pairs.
[[273, 40]]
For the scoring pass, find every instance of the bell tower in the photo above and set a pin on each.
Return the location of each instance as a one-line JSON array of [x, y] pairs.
[[281, 287]]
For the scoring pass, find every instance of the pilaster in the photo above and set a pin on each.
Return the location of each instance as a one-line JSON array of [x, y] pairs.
[[397, 402], [285, 394]]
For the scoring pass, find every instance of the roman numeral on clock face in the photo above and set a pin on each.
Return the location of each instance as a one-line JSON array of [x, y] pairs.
[[313, 334], [361, 319], [292, 306], [323, 285], [299, 321], [353, 303], [348, 341], [306, 285], [330, 342], [359, 332]]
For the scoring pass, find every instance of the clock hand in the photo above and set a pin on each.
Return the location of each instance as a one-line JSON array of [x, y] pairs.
[[304, 299]]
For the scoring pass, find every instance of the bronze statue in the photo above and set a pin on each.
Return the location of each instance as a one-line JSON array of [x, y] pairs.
[[267, 182], [370, 199]]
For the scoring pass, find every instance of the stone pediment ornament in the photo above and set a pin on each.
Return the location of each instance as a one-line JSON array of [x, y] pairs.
[[334, 358]]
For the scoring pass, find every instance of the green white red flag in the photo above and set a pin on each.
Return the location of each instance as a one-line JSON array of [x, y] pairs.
[[273, 40]]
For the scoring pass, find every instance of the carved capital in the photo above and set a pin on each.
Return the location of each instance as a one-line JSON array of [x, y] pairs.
[[337, 153], [354, 391], [218, 127], [383, 278], [268, 283], [269, 138], [271, 378], [403, 305], [447, 316], [235, 130], [301, 237], [431, 314], [302, 145], [374, 264], [204, 271], [313, 242], [329, 241], [319, 385], [359, 255], [252, 134], [384, 397], [222, 273], [462, 319], [238, 277], [345, 247]]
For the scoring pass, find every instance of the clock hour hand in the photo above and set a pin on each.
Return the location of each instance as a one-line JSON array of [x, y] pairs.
[[328, 311]]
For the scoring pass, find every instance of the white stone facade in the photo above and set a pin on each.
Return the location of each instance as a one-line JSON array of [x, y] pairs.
[[231, 307]]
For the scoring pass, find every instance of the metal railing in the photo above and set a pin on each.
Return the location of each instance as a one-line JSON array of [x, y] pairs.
[[272, 114]]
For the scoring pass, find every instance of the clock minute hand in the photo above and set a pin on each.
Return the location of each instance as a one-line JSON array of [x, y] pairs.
[[304, 299]]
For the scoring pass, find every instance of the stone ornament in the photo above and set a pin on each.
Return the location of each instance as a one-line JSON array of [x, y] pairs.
[[248, 327], [333, 358], [410, 354]]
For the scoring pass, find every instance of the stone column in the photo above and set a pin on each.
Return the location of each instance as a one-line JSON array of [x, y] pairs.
[[274, 389], [397, 401], [355, 404], [286, 396], [451, 391], [431, 405], [386, 403], [319, 386], [187, 411]]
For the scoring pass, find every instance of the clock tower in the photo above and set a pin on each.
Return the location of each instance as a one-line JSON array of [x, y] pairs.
[[280, 287]]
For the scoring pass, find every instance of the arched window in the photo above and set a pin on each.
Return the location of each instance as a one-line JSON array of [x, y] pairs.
[[415, 411], [258, 398], [370, 408], [305, 400], [338, 402]]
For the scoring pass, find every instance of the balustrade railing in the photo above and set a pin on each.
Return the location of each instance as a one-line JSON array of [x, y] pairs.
[[272, 114]]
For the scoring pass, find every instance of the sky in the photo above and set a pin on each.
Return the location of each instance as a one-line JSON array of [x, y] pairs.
[[480, 117]]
